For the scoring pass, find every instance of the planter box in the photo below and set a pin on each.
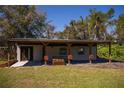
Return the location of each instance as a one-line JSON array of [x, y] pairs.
[[58, 62]]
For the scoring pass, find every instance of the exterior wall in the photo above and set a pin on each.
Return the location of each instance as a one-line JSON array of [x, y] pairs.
[[53, 51], [37, 52], [85, 56], [94, 51]]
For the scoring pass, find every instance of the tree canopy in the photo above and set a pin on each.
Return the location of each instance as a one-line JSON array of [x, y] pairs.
[[120, 28], [23, 22], [94, 26], [27, 22]]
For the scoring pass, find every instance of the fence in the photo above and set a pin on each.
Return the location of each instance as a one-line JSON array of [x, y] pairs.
[[7, 53]]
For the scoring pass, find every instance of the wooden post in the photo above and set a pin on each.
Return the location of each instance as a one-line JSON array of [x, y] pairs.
[[69, 49], [44, 53], [69, 53], [8, 54], [110, 53], [90, 52], [96, 49], [8, 58]]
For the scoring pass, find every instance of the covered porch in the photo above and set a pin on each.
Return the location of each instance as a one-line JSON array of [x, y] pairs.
[[44, 51]]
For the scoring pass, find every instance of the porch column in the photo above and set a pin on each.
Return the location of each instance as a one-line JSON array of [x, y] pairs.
[[69, 53], [8, 53], [110, 52], [18, 53], [45, 56], [90, 53], [69, 49], [44, 52]]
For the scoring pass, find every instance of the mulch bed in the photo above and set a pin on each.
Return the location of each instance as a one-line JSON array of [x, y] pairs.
[[8, 63]]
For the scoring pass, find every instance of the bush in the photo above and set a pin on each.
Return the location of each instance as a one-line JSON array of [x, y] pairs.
[[117, 52]]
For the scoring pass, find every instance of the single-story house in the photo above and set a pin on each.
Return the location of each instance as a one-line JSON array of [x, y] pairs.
[[36, 49]]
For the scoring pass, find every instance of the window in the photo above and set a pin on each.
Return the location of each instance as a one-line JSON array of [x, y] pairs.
[[81, 51], [63, 51]]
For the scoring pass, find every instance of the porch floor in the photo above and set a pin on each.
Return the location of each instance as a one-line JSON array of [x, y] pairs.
[[34, 63], [39, 63]]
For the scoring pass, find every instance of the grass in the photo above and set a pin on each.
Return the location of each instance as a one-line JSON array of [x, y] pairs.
[[2, 62], [62, 76], [116, 50]]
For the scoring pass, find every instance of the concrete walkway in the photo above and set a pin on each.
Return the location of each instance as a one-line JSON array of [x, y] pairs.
[[19, 64]]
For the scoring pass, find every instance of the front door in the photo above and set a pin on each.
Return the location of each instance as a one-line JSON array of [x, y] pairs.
[[26, 53]]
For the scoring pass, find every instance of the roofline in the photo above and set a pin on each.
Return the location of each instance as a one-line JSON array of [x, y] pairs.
[[41, 40]]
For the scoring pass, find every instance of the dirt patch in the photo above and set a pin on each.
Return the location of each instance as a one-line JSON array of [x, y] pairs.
[[8, 63]]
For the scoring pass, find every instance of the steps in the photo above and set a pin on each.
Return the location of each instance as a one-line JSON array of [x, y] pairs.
[[19, 64]]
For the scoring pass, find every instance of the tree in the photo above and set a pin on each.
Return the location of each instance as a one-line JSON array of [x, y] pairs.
[[94, 26], [49, 31], [99, 21], [69, 31], [77, 29], [22, 22], [120, 28]]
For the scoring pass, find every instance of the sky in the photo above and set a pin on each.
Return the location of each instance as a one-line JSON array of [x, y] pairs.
[[61, 15]]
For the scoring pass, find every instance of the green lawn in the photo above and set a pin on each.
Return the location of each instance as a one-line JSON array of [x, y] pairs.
[[62, 76], [2, 62]]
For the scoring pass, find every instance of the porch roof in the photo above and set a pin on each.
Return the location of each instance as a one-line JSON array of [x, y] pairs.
[[59, 41]]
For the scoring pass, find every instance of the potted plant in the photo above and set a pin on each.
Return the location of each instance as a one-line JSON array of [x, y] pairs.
[[69, 58], [46, 59], [91, 57]]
